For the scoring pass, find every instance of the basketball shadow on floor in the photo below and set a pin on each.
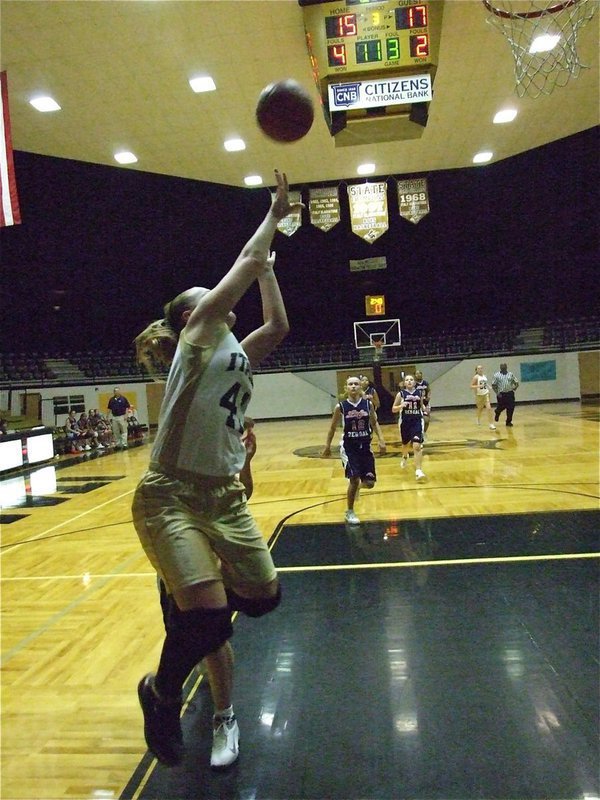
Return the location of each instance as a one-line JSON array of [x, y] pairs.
[[390, 673]]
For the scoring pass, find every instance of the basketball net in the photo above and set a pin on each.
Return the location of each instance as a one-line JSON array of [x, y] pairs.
[[378, 345], [543, 39]]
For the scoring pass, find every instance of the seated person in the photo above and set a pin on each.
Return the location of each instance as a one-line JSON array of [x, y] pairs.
[[134, 429], [88, 432], [76, 441], [100, 425]]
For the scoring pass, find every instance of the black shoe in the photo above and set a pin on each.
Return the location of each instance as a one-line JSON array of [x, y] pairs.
[[509, 424], [162, 728]]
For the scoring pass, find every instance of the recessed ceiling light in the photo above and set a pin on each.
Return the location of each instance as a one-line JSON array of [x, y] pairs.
[[125, 157], [544, 43], [365, 169], [506, 115], [232, 145], [203, 84], [253, 180], [483, 157], [44, 104]]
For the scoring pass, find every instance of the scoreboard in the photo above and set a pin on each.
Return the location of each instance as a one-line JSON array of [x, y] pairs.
[[354, 40], [370, 37]]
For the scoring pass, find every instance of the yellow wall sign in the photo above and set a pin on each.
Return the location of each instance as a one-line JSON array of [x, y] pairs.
[[374, 305]]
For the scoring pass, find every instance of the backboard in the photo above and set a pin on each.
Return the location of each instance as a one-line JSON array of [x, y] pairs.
[[381, 331]]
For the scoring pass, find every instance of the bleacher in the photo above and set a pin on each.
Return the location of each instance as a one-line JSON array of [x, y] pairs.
[[93, 366]]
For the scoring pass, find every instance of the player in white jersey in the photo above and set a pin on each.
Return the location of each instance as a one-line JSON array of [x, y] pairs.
[[479, 384], [189, 509]]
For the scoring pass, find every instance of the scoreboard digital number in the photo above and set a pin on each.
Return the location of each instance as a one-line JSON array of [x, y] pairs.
[[361, 36], [374, 305]]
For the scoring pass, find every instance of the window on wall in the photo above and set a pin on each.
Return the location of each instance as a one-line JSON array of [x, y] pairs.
[[66, 403]]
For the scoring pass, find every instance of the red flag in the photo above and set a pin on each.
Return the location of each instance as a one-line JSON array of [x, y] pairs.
[[9, 205]]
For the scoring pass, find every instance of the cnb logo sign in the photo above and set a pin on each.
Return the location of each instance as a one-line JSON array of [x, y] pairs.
[[345, 94]]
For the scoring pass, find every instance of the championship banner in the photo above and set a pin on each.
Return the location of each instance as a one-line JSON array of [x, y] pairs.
[[368, 210], [413, 199], [324, 207], [10, 213], [290, 224]]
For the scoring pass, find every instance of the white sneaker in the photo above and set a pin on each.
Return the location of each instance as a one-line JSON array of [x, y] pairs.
[[419, 474], [226, 743], [351, 518], [100, 447], [403, 462], [492, 427]]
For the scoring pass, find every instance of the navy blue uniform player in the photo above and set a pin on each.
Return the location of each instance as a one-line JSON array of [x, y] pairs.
[[422, 386], [357, 415], [409, 403]]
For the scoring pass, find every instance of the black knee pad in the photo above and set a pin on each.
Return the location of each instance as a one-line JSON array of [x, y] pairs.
[[201, 630], [253, 606]]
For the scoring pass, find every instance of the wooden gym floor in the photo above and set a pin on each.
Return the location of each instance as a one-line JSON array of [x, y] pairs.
[[445, 648]]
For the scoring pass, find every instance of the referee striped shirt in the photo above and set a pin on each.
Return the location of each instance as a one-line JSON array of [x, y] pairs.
[[504, 382]]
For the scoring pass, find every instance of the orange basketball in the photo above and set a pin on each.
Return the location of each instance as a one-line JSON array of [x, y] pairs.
[[284, 111]]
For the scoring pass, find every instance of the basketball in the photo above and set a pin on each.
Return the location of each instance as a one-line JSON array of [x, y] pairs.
[[284, 111]]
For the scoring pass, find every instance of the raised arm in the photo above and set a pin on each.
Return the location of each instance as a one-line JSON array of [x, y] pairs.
[[275, 327], [252, 263]]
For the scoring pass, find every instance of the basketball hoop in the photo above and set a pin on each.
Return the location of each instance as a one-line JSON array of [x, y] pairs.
[[378, 345], [543, 39]]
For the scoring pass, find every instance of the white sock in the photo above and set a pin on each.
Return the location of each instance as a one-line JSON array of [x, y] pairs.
[[225, 713]]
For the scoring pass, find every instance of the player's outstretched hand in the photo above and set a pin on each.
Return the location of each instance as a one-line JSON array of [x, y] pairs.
[[281, 205]]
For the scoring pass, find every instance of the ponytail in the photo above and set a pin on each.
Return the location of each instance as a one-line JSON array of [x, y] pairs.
[[155, 347]]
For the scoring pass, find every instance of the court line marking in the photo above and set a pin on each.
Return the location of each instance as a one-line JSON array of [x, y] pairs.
[[326, 499], [89, 576], [6, 657], [441, 563], [10, 548], [92, 576]]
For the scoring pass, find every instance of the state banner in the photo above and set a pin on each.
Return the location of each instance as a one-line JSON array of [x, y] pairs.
[[290, 224], [413, 199], [324, 207], [368, 210]]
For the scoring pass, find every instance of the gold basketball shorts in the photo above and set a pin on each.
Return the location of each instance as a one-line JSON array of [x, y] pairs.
[[188, 527]]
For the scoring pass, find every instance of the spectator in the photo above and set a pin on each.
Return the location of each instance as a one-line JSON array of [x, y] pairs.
[[89, 435], [134, 429], [117, 406], [76, 442], [100, 424]]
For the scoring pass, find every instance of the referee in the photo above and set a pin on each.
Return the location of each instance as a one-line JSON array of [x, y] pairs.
[[504, 385]]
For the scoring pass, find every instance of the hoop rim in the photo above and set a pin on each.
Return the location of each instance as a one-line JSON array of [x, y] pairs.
[[499, 12]]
